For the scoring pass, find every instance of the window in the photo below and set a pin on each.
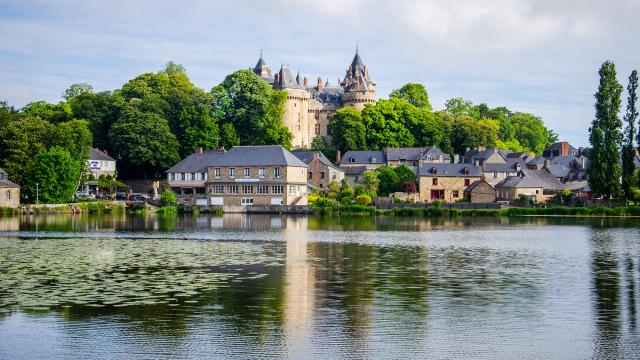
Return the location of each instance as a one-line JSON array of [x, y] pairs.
[[216, 173], [321, 186], [233, 189], [193, 176], [310, 175], [246, 201], [263, 189], [183, 176], [247, 189], [537, 192], [246, 172], [353, 160], [328, 129], [8, 194], [232, 172], [317, 129], [276, 172], [203, 176], [495, 174], [434, 181], [322, 175], [292, 189], [373, 159], [277, 189], [261, 172], [456, 193], [403, 160], [467, 182], [218, 189]]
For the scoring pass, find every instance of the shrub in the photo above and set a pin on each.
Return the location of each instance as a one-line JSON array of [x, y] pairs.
[[168, 198], [363, 200], [346, 200]]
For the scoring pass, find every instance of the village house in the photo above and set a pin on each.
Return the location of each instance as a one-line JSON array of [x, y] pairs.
[[413, 157], [480, 192], [496, 165], [99, 163], [257, 175], [536, 185], [321, 171], [355, 163], [446, 182], [9, 191], [188, 178]]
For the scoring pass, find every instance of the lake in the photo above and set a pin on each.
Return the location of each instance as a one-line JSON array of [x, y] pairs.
[[297, 287]]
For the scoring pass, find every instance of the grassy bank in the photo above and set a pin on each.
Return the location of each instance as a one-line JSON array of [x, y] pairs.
[[507, 212]]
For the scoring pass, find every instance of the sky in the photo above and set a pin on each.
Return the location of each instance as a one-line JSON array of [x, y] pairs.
[[537, 56]]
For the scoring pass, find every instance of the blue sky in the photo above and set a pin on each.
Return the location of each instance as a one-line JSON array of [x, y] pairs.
[[538, 56]]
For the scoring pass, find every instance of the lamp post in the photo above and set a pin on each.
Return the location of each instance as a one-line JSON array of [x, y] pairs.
[[37, 194]]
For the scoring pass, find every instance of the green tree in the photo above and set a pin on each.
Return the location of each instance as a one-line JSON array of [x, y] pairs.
[[628, 152], [530, 132], [100, 110], [388, 180], [167, 198], [605, 135], [76, 90], [253, 107], [459, 107], [319, 143], [53, 113], [363, 200], [56, 173], [468, 132], [143, 140], [416, 94], [20, 140], [75, 137], [228, 136], [404, 174], [371, 182], [387, 124], [347, 130]]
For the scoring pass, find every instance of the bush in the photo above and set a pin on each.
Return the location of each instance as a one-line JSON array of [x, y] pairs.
[[346, 200], [363, 200], [168, 198]]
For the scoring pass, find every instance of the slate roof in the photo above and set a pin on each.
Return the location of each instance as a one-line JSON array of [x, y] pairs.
[[328, 95], [4, 181], [354, 170], [265, 155], [496, 167], [449, 170], [196, 163], [475, 185], [474, 154], [99, 155], [559, 171], [286, 80], [521, 155], [415, 153], [536, 161], [558, 146], [532, 179], [363, 157], [307, 156]]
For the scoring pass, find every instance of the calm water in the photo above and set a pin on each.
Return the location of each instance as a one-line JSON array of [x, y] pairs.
[[243, 287]]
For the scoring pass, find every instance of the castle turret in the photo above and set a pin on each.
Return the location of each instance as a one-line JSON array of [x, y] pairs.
[[261, 69], [359, 89]]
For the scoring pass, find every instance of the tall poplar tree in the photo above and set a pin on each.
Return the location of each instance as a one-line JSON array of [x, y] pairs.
[[628, 152], [606, 136]]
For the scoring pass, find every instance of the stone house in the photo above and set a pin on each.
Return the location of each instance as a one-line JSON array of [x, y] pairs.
[[413, 157], [257, 175], [9, 191], [188, 178], [537, 185], [322, 171], [99, 163], [356, 163], [446, 182], [480, 192], [496, 164]]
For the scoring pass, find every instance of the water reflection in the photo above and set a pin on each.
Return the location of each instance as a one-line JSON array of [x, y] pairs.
[[322, 287]]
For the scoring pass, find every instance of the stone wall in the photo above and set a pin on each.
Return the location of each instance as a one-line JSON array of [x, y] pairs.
[[9, 197]]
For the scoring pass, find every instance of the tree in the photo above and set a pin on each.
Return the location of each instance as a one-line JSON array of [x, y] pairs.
[[143, 140], [605, 135], [371, 182], [387, 124], [409, 187], [53, 113], [347, 130], [56, 173], [253, 107], [20, 140], [76, 90], [319, 143], [628, 152], [110, 183], [415, 94], [530, 132], [459, 106], [388, 180], [468, 132], [363, 200], [228, 136], [100, 110], [404, 174], [75, 137], [167, 198]]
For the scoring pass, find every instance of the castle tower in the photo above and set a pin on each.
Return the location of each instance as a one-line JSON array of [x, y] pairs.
[[261, 69], [359, 89], [296, 108]]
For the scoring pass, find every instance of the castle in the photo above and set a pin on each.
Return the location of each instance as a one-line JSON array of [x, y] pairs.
[[309, 108]]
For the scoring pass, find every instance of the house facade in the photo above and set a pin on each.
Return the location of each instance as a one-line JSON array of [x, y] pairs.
[[356, 163], [322, 171], [446, 182], [99, 163], [257, 175], [537, 185], [9, 191], [480, 192], [188, 178]]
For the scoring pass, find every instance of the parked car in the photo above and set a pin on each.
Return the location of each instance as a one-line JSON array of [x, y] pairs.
[[122, 197], [137, 197]]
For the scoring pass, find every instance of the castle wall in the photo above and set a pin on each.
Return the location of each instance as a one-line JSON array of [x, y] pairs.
[[358, 99], [296, 117]]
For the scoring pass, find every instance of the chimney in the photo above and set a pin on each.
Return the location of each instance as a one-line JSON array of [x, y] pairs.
[[547, 163], [456, 158], [305, 81], [319, 84], [276, 78], [338, 156], [564, 148], [315, 155], [199, 150]]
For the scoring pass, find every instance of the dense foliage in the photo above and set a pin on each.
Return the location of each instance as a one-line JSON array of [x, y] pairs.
[[628, 152], [605, 135], [56, 173]]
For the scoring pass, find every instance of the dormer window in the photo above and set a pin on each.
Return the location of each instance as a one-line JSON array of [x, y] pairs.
[[466, 171], [373, 159], [352, 160], [434, 171]]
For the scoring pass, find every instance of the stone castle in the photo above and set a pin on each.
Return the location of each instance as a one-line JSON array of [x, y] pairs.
[[309, 107]]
